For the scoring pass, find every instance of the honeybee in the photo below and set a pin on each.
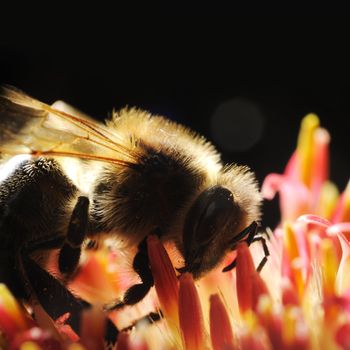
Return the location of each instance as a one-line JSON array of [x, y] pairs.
[[66, 178]]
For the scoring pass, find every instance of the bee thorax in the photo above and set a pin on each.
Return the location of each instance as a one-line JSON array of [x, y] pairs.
[[148, 195]]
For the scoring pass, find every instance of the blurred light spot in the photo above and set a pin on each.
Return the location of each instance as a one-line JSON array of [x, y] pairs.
[[237, 125]]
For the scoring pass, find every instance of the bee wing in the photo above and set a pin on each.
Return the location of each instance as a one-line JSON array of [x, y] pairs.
[[67, 108], [29, 126]]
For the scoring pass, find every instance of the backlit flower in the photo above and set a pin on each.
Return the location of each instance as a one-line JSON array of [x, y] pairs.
[[300, 300]]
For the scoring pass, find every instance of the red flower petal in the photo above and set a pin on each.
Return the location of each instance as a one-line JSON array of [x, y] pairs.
[[342, 211], [7, 325], [92, 329], [94, 283], [292, 168], [343, 274], [190, 314], [244, 270], [220, 326], [271, 185], [123, 342], [273, 326], [290, 296], [258, 289], [295, 197], [315, 220], [251, 342], [39, 337], [165, 279], [341, 227], [342, 337]]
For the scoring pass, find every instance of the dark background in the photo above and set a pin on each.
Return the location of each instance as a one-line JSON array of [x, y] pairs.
[[228, 70]]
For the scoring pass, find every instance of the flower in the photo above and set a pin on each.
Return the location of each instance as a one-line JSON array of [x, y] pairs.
[[300, 300], [221, 332], [190, 314], [19, 330], [165, 279]]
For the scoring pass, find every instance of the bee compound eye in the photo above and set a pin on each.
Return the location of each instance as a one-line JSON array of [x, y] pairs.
[[210, 212]]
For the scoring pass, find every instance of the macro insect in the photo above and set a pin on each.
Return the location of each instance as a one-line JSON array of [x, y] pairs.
[[66, 178]]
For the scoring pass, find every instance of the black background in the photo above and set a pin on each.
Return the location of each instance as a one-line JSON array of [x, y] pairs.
[[184, 67]]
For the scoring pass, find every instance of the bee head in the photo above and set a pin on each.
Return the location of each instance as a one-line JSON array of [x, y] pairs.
[[213, 222]]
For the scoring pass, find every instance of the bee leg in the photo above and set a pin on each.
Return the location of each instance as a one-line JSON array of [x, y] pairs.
[[141, 266], [57, 300], [92, 245], [70, 252], [249, 240], [231, 266], [138, 291], [54, 297], [266, 251], [152, 317]]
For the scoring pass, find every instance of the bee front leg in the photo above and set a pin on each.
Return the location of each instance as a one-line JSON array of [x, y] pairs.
[[138, 291], [266, 251], [70, 252], [254, 236]]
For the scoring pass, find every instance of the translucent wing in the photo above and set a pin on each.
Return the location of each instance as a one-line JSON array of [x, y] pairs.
[[28, 126]]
